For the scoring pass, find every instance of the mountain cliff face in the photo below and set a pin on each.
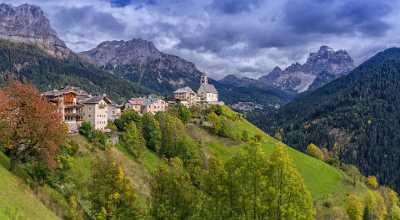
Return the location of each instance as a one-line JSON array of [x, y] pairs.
[[28, 24], [321, 67], [355, 117], [141, 62]]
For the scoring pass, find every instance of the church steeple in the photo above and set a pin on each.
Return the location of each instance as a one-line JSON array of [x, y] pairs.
[[203, 79]]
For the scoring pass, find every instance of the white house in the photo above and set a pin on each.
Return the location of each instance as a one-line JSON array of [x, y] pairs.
[[207, 92], [95, 111]]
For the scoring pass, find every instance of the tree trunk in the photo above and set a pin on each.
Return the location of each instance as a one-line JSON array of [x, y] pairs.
[[13, 161]]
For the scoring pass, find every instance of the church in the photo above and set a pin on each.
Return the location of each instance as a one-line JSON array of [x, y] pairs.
[[206, 94]]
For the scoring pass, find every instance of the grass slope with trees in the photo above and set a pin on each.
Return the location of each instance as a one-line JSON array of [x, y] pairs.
[[355, 118], [199, 163]]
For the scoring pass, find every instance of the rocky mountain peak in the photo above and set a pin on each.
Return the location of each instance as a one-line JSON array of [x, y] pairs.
[[320, 68], [28, 24], [135, 51]]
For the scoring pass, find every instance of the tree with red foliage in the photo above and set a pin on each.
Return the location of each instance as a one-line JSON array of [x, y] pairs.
[[30, 127]]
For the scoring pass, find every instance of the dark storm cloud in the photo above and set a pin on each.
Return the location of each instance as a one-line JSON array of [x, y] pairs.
[[233, 6], [230, 36], [337, 17], [88, 18], [120, 3]]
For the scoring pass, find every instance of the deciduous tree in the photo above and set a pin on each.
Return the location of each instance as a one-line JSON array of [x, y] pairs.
[[30, 127], [111, 193], [151, 132], [290, 198], [132, 139], [354, 207]]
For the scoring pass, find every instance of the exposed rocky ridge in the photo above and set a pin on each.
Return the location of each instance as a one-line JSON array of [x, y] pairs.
[[140, 61], [28, 24], [320, 68]]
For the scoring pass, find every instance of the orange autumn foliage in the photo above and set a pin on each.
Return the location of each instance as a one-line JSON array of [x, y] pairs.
[[30, 127]]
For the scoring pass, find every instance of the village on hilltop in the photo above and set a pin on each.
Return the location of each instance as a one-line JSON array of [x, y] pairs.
[[76, 105]]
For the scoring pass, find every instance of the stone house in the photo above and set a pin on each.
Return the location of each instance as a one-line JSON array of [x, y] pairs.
[[186, 96], [151, 104]]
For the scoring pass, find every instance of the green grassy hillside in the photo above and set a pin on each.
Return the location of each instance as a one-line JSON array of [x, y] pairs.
[[17, 200], [328, 185]]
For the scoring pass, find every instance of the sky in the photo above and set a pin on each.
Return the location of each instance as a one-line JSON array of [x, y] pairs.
[[242, 37]]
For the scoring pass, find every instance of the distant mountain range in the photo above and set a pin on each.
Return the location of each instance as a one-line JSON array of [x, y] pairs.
[[320, 68], [355, 117], [137, 63]]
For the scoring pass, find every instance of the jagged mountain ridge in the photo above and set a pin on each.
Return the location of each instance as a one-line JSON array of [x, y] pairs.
[[313, 73], [320, 68], [140, 61], [28, 24]]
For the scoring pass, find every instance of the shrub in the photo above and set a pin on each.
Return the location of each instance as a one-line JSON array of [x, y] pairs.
[[86, 129], [372, 182], [126, 118], [314, 151]]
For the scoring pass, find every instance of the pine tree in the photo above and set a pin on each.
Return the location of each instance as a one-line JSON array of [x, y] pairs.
[[290, 198]]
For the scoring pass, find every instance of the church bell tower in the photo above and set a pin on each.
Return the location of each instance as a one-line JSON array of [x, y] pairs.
[[203, 79]]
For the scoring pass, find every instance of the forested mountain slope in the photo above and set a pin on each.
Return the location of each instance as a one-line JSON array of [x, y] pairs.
[[355, 117], [32, 64]]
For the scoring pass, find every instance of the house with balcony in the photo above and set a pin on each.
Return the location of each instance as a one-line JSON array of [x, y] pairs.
[[186, 96], [67, 105]]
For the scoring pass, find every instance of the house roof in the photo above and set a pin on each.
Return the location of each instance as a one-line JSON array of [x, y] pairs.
[[151, 101], [184, 90], [96, 100], [207, 88], [58, 92], [136, 101]]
